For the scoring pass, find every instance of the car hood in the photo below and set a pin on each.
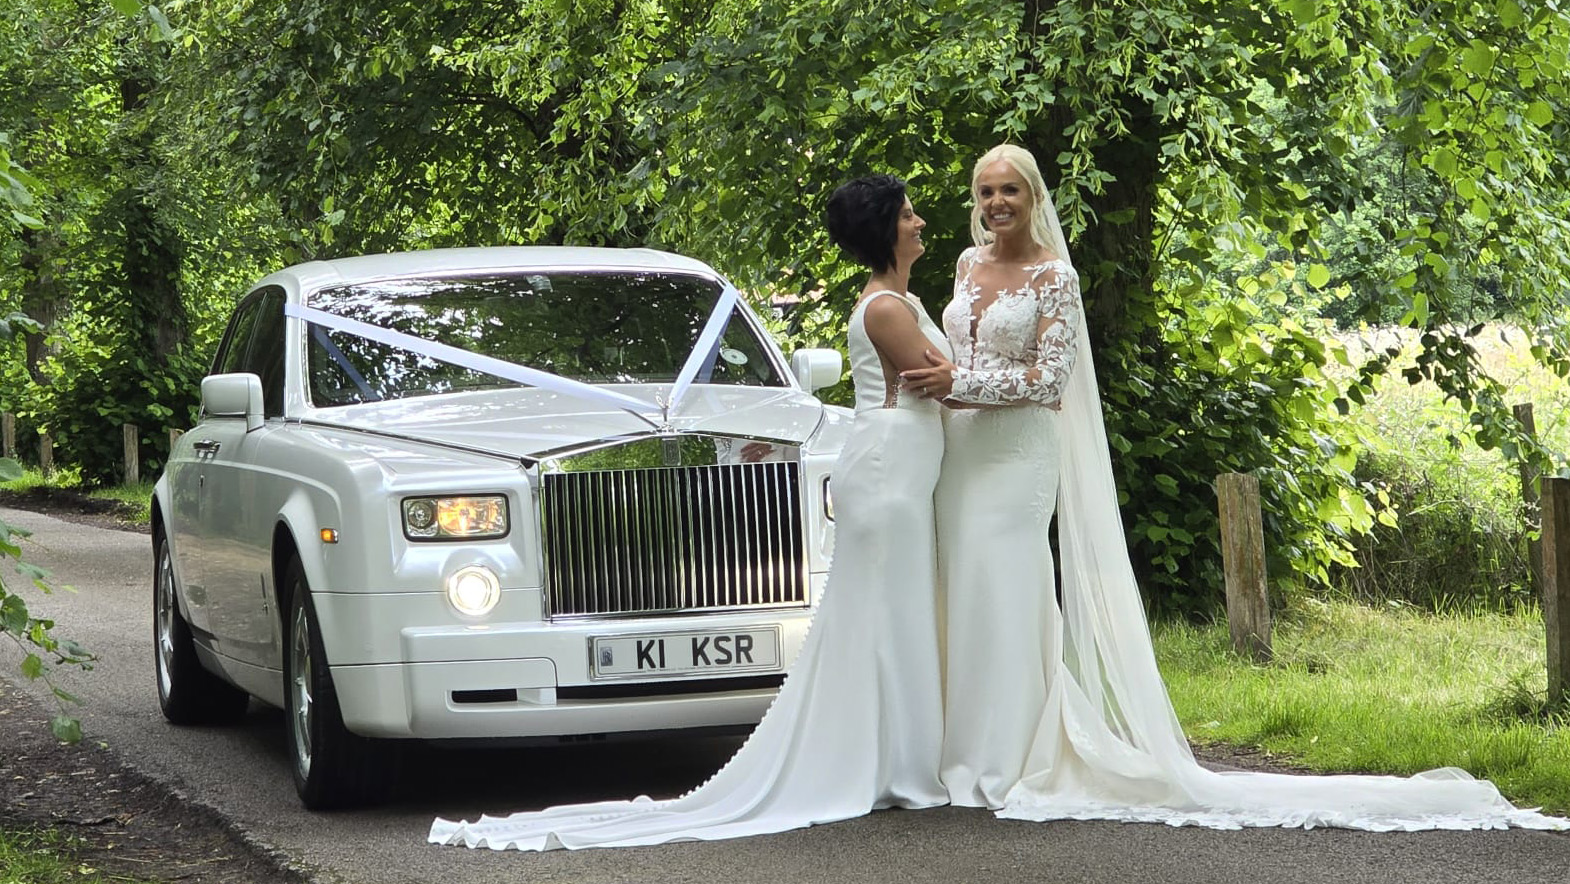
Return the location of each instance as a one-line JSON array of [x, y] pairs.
[[530, 423]]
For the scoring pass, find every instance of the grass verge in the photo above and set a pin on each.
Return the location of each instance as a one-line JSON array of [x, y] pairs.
[[1394, 690], [135, 500], [48, 856], [130, 503]]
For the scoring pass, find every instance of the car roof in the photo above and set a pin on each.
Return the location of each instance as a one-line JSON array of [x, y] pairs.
[[364, 268]]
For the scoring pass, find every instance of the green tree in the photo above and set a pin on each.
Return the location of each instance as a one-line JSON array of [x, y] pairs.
[[33, 635], [1198, 151], [126, 307]]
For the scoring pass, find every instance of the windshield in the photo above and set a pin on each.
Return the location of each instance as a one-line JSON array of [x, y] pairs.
[[597, 327]]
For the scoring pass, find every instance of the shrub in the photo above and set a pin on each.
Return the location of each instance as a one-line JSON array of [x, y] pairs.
[[1452, 546], [95, 388]]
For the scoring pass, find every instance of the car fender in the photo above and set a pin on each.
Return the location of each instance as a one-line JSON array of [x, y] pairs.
[[159, 508], [302, 519]]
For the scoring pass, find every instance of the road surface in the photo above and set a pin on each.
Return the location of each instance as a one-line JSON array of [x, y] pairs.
[[242, 773]]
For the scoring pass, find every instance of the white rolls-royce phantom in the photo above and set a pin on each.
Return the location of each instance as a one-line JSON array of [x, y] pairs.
[[495, 493]]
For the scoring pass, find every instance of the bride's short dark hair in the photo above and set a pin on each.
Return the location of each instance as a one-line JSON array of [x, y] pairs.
[[863, 218]]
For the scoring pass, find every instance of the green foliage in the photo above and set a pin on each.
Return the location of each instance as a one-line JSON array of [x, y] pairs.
[[1193, 147], [96, 387], [34, 636], [144, 249], [813, 324], [1240, 391], [1457, 532], [15, 324], [16, 188], [1217, 163], [1451, 548]]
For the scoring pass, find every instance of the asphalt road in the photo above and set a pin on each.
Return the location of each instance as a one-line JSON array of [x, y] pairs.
[[241, 772]]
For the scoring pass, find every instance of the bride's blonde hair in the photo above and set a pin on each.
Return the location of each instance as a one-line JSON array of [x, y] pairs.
[[1024, 163]]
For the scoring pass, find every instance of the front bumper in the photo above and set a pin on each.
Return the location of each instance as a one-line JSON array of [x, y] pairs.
[[525, 679]]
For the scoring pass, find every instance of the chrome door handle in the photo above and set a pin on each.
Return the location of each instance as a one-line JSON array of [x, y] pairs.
[[206, 446]]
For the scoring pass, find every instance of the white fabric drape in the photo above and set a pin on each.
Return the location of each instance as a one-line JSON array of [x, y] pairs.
[[1108, 744]]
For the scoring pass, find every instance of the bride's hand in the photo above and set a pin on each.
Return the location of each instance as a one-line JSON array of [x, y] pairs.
[[930, 383]]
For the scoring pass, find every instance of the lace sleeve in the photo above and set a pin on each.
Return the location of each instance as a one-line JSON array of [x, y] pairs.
[[1058, 317]]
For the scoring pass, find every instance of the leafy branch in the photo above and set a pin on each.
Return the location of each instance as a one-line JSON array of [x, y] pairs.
[[35, 636]]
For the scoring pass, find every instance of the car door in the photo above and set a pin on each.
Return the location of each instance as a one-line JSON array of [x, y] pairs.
[[188, 467], [240, 499]]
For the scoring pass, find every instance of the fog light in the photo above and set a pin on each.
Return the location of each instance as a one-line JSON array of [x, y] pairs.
[[473, 590]]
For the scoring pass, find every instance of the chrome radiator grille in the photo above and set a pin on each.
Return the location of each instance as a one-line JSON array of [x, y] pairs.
[[693, 538]]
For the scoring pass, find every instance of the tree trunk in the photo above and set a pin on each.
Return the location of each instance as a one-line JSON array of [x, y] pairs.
[[150, 260], [1115, 259], [43, 297]]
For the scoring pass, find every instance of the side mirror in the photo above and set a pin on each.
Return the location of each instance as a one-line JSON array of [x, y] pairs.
[[234, 395], [816, 369]]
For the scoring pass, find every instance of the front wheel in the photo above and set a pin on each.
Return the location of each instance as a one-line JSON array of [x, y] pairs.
[[333, 768], [187, 693]]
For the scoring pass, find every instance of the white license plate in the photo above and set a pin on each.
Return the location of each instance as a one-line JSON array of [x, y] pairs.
[[711, 651]]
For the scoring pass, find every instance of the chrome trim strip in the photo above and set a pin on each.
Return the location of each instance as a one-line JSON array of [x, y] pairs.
[[553, 459], [421, 440]]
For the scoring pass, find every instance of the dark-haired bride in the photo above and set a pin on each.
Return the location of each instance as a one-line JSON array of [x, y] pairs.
[[858, 723], [1060, 712]]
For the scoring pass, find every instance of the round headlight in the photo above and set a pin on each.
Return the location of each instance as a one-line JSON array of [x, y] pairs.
[[473, 590]]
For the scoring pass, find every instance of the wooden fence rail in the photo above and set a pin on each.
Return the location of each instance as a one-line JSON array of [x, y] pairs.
[[1243, 562], [1530, 504], [1556, 587], [130, 434], [132, 440]]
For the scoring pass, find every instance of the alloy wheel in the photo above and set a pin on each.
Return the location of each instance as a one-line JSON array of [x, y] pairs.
[[168, 605], [300, 686]]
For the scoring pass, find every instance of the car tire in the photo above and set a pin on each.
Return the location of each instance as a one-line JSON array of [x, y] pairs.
[[333, 768], [188, 693]]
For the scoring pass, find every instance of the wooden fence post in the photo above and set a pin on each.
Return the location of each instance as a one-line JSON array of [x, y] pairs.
[[1243, 560], [1556, 587], [7, 435], [133, 467], [46, 454], [174, 436], [1530, 508]]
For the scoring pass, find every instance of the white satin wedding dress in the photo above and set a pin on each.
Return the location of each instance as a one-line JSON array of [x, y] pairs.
[[858, 722], [1060, 712]]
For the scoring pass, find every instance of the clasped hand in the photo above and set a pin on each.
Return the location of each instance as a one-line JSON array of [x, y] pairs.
[[936, 382]]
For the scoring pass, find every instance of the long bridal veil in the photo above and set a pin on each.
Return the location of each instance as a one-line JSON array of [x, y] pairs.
[[1110, 745]]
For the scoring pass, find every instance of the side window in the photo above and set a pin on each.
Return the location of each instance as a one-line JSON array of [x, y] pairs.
[[264, 358], [231, 353]]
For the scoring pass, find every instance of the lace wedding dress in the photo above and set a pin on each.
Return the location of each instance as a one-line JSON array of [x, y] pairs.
[[1057, 710], [858, 723]]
